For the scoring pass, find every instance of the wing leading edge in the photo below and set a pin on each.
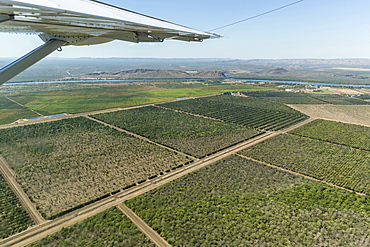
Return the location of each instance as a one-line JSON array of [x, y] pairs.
[[86, 22]]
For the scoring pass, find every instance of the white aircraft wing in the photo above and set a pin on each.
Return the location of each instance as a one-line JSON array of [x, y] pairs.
[[82, 22]]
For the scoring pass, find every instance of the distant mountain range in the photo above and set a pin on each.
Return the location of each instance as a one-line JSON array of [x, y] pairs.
[[156, 73]]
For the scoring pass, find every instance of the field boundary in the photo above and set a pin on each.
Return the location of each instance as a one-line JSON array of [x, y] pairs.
[[299, 174], [139, 136], [9, 177], [147, 230], [24, 106], [47, 228]]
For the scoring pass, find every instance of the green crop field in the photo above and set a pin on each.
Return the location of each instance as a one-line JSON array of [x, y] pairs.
[[10, 111], [351, 135], [192, 135], [336, 99], [286, 97], [303, 98], [237, 202], [109, 228], [249, 112], [337, 164], [103, 97], [63, 164], [13, 218]]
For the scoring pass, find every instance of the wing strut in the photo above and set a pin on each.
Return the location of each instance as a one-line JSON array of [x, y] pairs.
[[29, 59]]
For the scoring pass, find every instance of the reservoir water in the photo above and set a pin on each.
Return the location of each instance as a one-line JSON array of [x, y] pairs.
[[228, 79]]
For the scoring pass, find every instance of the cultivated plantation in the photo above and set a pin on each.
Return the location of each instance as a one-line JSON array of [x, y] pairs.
[[13, 218], [238, 198], [237, 202], [337, 164], [308, 98], [70, 162], [109, 228], [243, 111], [351, 135], [192, 135]]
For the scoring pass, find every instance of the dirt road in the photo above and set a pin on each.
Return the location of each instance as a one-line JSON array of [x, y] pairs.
[[147, 230], [140, 137], [9, 177], [47, 228]]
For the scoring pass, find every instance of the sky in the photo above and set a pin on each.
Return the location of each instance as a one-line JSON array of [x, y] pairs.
[[310, 29]]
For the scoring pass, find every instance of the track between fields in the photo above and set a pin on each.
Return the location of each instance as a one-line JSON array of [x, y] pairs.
[[23, 106], [147, 230], [9, 177], [299, 174], [139, 136], [47, 228]]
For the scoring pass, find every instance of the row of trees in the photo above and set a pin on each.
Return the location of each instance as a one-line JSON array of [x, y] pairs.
[[237, 202], [66, 163], [13, 218], [245, 111], [193, 135], [351, 135], [109, 228], [337, 164]]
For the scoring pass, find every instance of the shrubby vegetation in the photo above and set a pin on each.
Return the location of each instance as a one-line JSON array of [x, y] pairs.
[[192, 135], [336, 164], [13, 218], [237, 202], [65, 163], [336, 132], [109, 228], [250, 112]]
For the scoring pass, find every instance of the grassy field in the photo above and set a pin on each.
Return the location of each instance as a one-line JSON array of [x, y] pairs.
[[110, 228], [89, 99], [237, 202], [13, 218], [66, 163], [337, 164], [10, 111], [192, 135], [244, 111]]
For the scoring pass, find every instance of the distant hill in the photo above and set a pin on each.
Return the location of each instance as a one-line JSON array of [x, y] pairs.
[[277, 71], [156, 73]]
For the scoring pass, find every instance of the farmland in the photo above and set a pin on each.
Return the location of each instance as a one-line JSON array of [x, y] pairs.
[[63, 164], [10, 111], [192, 135], [97, 97], [237, 202], [109, 228], [304, 98], [13, 218], [341, 133], [337, 164], [249, 112], [286, 97], [336, 99], [356, 114]]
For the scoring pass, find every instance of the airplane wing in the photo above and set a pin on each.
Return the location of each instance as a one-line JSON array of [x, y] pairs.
[[82, 22]]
